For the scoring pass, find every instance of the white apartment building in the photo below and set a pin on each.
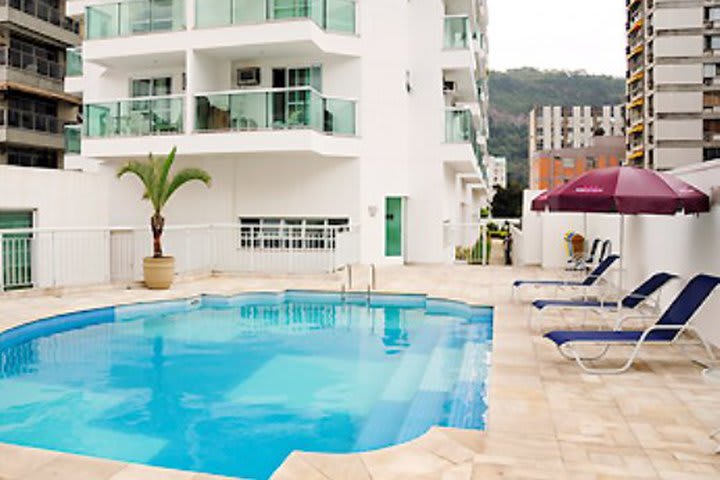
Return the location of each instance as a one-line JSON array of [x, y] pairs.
[[673, 92], [556, 127], [497, 171], [371, 113]]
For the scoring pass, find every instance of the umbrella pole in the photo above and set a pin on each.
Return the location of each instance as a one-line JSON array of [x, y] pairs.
[[622, 253]]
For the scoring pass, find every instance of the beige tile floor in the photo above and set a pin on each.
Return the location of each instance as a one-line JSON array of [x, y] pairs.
[[546, 419]]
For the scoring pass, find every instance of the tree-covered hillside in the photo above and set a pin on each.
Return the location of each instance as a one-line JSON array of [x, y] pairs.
[[515, 92]]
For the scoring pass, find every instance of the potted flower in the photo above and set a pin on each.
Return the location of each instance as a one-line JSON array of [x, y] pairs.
[[158, 270]]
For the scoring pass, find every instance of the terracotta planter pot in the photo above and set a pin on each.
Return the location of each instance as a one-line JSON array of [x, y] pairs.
[[158, 272]]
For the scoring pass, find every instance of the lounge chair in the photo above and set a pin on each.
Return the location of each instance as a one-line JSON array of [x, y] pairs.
[[669, 328], [590, 281], [606, 250], [632, 302], [586, 263]]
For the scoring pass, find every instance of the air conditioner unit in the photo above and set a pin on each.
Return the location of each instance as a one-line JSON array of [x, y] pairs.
[[248, 76], [449, 87]]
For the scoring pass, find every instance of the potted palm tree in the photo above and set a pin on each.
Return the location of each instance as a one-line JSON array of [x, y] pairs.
[[158, 270]]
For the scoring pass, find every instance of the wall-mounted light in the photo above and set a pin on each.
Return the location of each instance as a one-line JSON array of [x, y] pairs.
[[372, 210], [408, 85]]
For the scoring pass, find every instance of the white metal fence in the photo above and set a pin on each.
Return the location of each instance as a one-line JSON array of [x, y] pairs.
[[42, 258]]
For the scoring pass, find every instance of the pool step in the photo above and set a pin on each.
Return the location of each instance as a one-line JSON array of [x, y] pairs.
[[381, 427], [427, 406]]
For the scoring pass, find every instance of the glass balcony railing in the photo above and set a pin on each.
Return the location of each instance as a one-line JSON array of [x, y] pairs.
[[457, 32], [331, 15], [73, 62], [277, 109], [136, 117], [459, 128], [72, 139], [134, 17]]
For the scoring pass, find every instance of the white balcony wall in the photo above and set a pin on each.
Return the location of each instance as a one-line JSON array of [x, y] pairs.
[[678, 18], [668, 158], [679, 129], [678, 102], [679, 46], [678, 74]]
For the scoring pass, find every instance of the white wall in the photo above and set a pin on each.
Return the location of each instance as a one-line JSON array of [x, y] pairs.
[[248, 186], [59, 198]]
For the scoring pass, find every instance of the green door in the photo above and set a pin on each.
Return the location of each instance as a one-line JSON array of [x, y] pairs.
[[16, 251], [393, 227]]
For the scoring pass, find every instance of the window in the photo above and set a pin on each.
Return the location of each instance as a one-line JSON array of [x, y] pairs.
[[274, 233], [713, 14], [32, 157], [151, 87], [714, 42]]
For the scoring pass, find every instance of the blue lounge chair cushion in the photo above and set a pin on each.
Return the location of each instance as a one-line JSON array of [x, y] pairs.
[[540, 304], [630, 336], [646, 289], [589, 280], [635, 298]]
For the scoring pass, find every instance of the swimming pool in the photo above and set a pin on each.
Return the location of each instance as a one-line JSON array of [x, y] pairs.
[[232, 385]]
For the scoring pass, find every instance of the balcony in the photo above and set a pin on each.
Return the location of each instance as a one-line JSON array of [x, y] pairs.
[[29, 128], [294, 121], [73, 62], [277, 109], [72, 139], [457, 32], [42, 18], [462, 149], [137, 117], [117, 33], [135, 17], [330, 15], [27, 69]]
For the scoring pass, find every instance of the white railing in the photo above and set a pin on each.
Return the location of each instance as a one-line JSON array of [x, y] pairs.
[[45, 258], [470, 242]]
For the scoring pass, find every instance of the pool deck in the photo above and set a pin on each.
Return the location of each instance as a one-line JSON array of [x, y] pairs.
[[546, 419]]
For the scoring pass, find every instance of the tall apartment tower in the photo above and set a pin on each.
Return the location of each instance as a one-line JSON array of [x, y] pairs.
[[306, 113], [34, 108], [673, 82], [555, 127]]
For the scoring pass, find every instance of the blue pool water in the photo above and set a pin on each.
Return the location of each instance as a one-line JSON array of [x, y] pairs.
[[233, 385]]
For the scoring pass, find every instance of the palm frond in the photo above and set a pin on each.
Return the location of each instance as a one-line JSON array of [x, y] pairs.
[[184, 176], [154, 176], [164, 171], [144, 172]]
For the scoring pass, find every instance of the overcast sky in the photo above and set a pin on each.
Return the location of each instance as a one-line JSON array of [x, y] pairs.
[[558, 34]]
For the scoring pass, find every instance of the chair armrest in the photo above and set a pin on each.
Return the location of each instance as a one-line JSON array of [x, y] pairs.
[[656, 328], [625, 318]]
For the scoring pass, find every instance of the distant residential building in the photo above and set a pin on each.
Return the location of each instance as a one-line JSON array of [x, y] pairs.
[[497, 171], [554, 167], [673, 82], [554, 127], [34, 107]]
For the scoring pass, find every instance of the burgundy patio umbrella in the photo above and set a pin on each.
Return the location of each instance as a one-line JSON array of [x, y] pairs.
[[627, 191]]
